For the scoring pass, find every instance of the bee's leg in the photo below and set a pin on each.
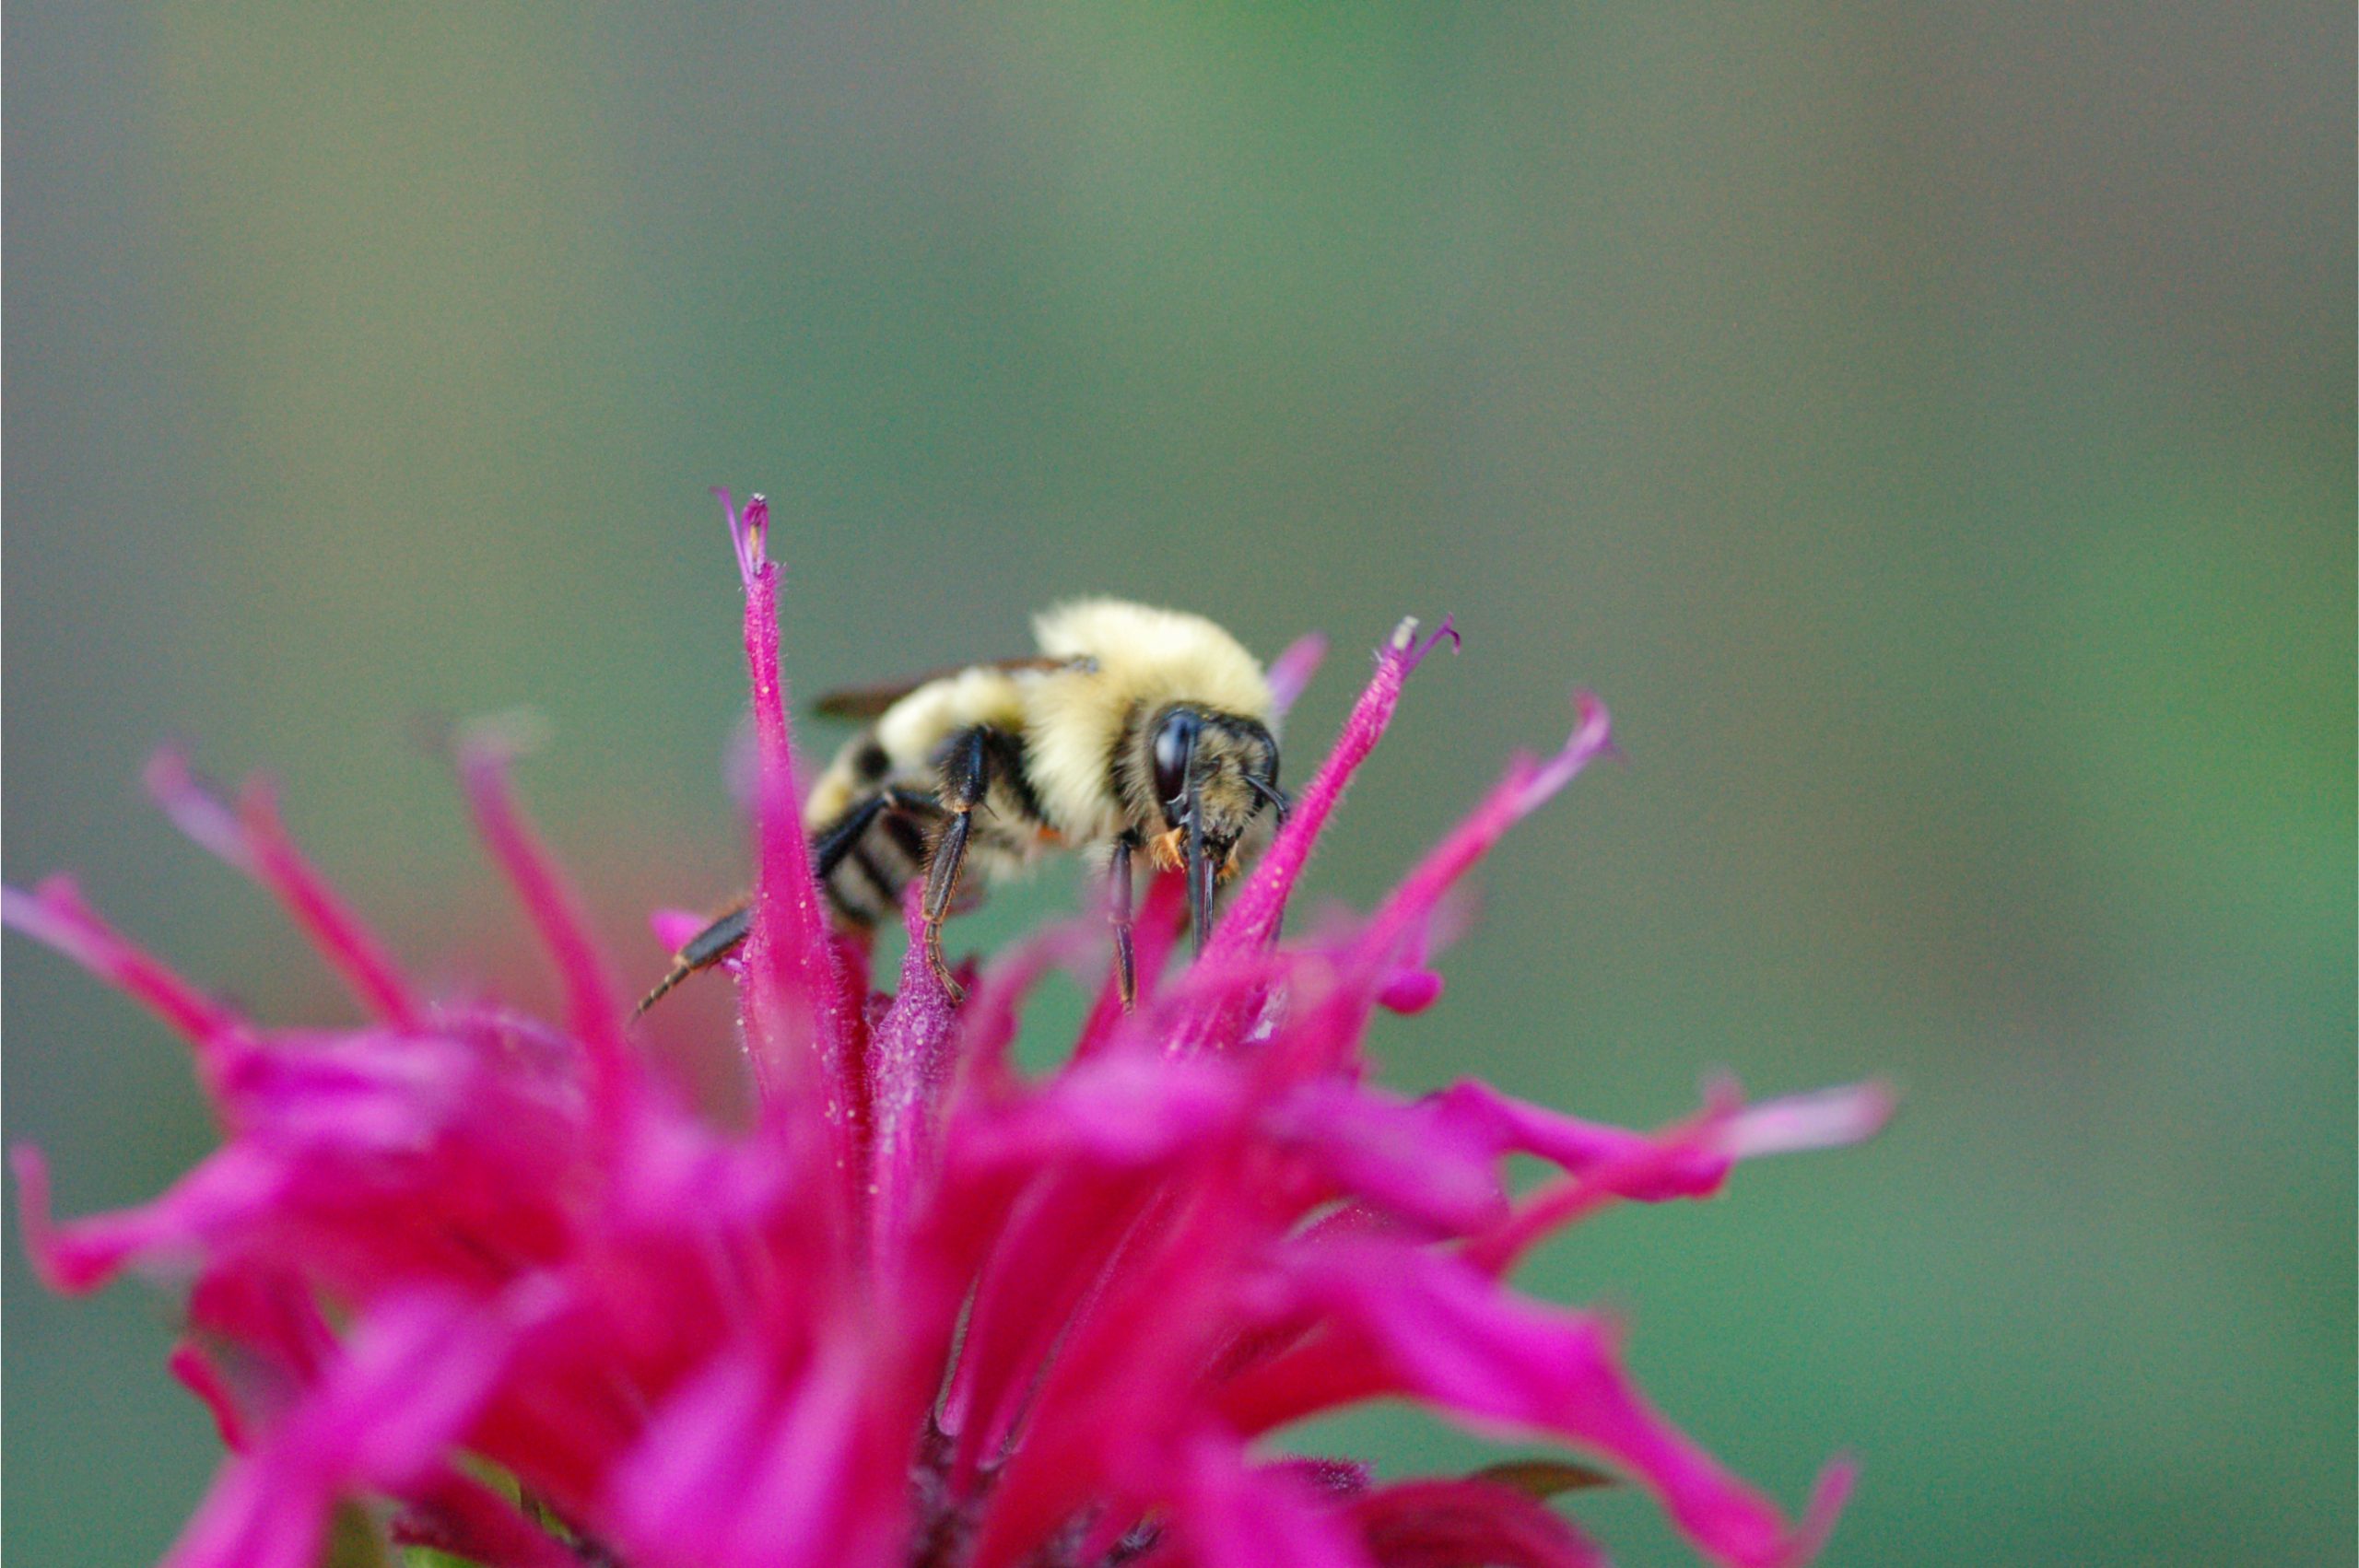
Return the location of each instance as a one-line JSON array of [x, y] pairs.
[[829, 849], [1126, 957], [966, 779], [860, 844], [702, 951], [830, 845]]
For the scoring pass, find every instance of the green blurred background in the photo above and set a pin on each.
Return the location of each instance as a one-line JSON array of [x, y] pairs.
[[1930, 426]]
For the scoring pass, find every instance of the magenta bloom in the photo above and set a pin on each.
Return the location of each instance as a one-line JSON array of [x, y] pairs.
[[494, 1279]]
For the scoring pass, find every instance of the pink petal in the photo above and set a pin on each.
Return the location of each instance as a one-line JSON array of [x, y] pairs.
[[675, 928], [1407, 1159], [413, 1373], [1410, 992], [1527, 787], [677, 1484], [233, 1190], [196, 811], [594, 1007], [1104, 1401], [824, 1491], [255, 841], [1122, 1108], [1439, 1329], [1234, 1515], [197, 1373], [1291, 671], [254, 1339], [1647, 1168], [54, 914], [1682, 1161], [1826, 1119], [1252, 916], [910, 1068], [339, 934], [798, 1017], [728, 1475]]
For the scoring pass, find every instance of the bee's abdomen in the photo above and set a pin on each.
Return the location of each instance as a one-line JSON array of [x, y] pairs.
[[879, 815]]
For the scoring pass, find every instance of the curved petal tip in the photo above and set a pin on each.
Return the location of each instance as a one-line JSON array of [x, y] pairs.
[[749, 530], [1411, 650]]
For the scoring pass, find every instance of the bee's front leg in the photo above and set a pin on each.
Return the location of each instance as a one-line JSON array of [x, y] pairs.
[[1126, 957]]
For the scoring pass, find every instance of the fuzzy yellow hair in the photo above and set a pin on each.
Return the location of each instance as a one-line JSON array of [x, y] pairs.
[[1128, 658]]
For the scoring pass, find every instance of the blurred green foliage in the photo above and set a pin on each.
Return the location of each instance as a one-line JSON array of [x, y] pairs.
[[1931, 428]]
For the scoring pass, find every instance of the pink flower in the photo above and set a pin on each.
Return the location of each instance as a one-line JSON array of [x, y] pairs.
[[494, 1274]]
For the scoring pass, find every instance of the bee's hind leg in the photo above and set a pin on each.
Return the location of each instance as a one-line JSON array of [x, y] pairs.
[[829, 849], [702, 951]]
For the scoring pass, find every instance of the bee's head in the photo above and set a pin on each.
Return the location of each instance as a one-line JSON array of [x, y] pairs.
[[1214, 774]]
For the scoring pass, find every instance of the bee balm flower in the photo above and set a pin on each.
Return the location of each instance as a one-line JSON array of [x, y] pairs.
[[491, 1279]]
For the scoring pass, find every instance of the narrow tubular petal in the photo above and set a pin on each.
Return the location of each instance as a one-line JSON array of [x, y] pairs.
[[197, 1373], [196, 811], [908, 1070], [336, 931], [256, 1338], [593, 1005], [1119, 1377], [798, 1017], [1827, 1118], [827, 1487], [1649, 1168], [54, 914], [1527, 786], [1656, 1170], [232, 1196], [1404, 1159], [1253, 915], [255, 841], [1431, 1326], [1689, 1159], [411, 1374], [1291, 671], [739, 1471]]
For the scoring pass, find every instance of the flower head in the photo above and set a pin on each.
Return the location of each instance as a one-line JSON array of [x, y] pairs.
[[492, 1276]]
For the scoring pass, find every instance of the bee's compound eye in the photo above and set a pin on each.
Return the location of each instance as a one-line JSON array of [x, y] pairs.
[[1175, 743]]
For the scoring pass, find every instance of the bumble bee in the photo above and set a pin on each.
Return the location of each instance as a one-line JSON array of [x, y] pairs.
[[1134, 730]]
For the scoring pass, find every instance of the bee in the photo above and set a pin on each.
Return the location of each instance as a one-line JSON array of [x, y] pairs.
[[1133, 732]]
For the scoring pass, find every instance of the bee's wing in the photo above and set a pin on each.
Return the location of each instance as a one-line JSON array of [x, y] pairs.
[[868, 702]]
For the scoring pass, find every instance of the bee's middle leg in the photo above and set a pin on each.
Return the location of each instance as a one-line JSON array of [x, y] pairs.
[[967, 768], [831, 846]]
